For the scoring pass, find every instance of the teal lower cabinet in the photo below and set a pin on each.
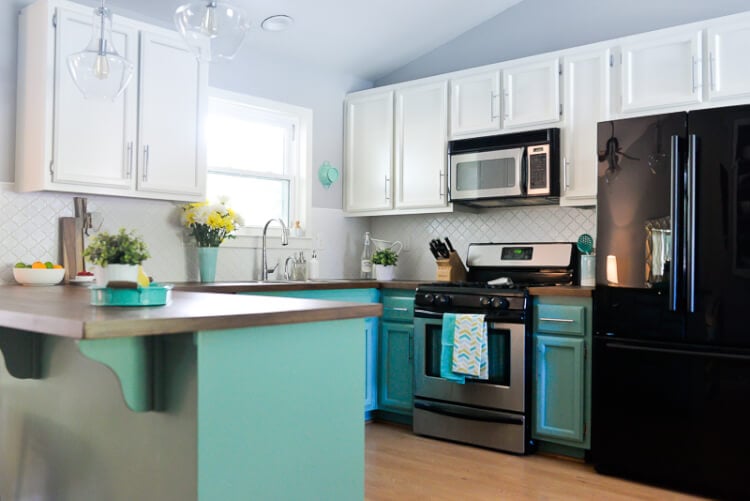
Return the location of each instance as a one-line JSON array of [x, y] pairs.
[[561, 389], [396, 353], [371, 330]]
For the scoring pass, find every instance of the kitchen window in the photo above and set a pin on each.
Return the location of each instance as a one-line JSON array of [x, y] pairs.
[[258, 156]]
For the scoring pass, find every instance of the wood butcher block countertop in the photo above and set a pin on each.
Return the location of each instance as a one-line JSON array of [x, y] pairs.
[[562, 290], [321, 284], [65, 311]]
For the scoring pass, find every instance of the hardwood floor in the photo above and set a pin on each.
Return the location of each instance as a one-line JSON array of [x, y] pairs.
[[403, 466]]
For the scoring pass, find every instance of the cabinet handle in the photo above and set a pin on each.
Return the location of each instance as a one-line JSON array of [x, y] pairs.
[[130, 160], [146, 151], [442, 184], [559, 320], [396, 308], [494, 97], [506, 106], [387, 192], [566, 175], [711, 64], [696, 84]]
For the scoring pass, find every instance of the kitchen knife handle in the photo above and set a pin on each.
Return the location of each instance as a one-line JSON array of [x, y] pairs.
[[450, 245]]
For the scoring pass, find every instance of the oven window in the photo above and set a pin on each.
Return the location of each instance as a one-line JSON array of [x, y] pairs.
[[498, 355], [486, 174]]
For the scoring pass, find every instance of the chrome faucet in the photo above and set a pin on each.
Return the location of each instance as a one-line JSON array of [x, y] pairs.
[[284, 241]]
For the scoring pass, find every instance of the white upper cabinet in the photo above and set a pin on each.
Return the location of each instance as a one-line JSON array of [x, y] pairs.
[[728, 68], [92, 141], [586, 81], [171, 145], [421, 146], [368, 156], [475, 104], [531, 94], [662, 70], [147, 143]]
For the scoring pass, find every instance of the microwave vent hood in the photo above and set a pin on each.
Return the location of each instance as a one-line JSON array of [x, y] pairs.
[[490, 203]]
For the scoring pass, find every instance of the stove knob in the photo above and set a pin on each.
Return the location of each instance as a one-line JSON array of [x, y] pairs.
[[428, 299], [499, 303], [484, 301], [443, 300]]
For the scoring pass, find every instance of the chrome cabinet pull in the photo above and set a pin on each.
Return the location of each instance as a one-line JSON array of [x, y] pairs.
[[494, 97], [396, 308], [696, 84], [387, 191], [559, 320], [506, 105], [711, 64], [146, 152], [129, 173], [442, 184], [566, 176]]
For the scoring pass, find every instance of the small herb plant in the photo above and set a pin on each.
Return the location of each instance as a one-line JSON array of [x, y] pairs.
[[385, 257], [122, 247]]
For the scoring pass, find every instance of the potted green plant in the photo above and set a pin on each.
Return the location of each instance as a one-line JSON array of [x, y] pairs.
[[385, 261], [118, 255]]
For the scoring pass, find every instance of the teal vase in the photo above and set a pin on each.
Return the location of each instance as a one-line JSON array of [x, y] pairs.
[[207, 263]]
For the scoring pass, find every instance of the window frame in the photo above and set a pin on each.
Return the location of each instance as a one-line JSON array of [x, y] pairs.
[[300, 159]]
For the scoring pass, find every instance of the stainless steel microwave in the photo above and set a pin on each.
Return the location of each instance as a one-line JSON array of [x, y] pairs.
[[520, 168]]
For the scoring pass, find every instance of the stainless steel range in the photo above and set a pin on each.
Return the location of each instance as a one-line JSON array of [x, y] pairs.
[[492, 413]]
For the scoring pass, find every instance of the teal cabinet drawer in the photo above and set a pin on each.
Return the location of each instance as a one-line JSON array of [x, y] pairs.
[[559, 319], [398, 308]]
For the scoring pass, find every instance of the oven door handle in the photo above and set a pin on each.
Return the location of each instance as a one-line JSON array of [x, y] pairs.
[[468, 413], [419, 313]]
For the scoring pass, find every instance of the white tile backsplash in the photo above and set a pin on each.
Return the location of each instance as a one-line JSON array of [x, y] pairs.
[[29, 231], [507, 224]]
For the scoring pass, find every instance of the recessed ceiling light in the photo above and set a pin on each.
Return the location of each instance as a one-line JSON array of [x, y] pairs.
[[279, 22]]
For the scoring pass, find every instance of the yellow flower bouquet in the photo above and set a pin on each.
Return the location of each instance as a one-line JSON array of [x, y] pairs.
[[209, 223]]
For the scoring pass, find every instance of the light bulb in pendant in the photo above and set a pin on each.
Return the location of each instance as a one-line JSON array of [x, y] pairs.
[[209, 23], [101, 67]]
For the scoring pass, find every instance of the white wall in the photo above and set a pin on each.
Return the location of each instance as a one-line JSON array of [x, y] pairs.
[[29, 230]]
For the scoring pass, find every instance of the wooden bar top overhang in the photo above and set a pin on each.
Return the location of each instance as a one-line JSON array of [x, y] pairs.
[[65, 311]]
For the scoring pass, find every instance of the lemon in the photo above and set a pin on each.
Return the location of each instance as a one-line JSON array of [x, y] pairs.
[[143, 280]]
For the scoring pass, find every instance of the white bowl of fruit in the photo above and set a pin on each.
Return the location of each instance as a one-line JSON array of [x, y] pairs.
[[38, 273]]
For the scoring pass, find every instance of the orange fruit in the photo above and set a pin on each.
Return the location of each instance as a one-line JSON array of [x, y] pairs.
[[57, 266], [38, 265]]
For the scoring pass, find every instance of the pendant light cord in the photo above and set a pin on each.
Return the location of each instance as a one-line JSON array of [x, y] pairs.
[[102, 40]]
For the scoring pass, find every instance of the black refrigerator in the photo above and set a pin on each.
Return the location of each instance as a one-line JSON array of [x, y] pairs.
[[671, 348]]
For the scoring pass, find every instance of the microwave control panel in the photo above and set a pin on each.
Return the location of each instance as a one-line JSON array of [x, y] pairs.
[[538, 159]]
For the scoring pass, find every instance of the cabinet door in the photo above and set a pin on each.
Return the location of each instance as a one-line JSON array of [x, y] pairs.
[[396, 368], [171, 153], [531, 94], [586, 80], [94, 140], [662, 71], [368, 153], [559, 388], [421, 146], [475, 104], [728, 70], [371, 350]]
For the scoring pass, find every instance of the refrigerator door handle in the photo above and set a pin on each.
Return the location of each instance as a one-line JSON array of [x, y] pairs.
[[690, 236], [678, 351], [675, 217]]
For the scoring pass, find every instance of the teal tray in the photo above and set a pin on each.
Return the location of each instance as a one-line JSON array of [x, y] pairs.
[[155, 295]]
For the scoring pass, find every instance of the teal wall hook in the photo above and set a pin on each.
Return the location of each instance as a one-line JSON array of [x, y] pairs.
[[327, 174]]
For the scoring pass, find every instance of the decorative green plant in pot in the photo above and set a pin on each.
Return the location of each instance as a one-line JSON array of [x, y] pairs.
[[210, 224], [385, 261], [118, 255]]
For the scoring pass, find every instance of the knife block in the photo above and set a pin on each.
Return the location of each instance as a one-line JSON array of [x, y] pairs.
[[451, 269]]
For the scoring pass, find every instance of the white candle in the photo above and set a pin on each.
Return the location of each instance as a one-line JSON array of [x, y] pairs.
[[612, 269]]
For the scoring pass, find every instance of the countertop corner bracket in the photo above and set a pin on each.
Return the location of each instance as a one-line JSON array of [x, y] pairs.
[[136, 362], [22, 352]]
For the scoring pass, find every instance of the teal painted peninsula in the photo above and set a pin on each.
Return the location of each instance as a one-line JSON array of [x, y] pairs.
[[211, 397]]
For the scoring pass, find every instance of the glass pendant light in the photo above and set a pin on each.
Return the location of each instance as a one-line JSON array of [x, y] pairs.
[[213, 30], [99, 71]]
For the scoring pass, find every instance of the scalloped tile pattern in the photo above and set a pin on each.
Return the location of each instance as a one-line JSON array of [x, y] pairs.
[[508, 224]]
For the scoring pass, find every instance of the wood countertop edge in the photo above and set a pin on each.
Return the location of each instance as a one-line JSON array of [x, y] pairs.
[[568, 291], [165, 326]]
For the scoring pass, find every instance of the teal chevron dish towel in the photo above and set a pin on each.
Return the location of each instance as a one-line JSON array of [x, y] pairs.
[[470, 346], [446, 350]]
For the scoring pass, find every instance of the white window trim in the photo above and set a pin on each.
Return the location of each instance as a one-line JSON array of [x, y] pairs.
[[301, 195]]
